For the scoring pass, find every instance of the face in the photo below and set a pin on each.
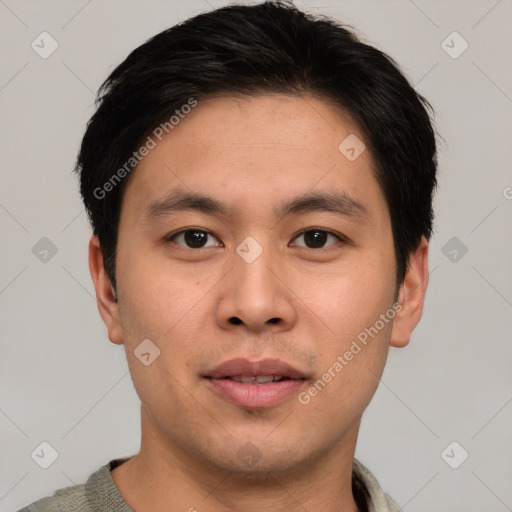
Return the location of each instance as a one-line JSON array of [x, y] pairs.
[[275, 268]]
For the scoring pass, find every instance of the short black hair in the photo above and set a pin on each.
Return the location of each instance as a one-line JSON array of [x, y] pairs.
[[271, 47]]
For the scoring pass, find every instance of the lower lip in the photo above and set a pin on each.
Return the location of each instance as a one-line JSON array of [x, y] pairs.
[[256, 395]]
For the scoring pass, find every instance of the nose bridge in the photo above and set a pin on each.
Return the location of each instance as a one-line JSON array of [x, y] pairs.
[[255, 295], [254, 269]]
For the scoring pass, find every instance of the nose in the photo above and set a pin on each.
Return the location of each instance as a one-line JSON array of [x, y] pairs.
[[255, 296]]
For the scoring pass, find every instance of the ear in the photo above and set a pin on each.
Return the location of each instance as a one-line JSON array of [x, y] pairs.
[[411, 296], [105, 294]]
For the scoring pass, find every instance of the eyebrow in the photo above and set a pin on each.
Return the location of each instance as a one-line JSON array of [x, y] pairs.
[[339, 203]]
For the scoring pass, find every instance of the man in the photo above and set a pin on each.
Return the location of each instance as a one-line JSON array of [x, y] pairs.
[[260, 186]]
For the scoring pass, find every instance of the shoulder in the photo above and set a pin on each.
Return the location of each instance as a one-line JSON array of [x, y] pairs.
[[98, 493], [63, 500], [377, 499]]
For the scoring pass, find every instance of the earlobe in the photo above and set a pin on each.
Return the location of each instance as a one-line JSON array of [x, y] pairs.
[[106, 297], [411, 296]]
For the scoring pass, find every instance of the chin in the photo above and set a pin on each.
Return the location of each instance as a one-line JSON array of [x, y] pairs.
[[257, 458]]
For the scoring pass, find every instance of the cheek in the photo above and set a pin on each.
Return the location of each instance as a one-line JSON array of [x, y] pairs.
[[349, 299], [172, 308], [352, 361], [355, 346], [156, 297]]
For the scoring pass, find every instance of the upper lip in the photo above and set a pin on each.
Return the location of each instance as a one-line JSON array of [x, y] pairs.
[[245, 368]]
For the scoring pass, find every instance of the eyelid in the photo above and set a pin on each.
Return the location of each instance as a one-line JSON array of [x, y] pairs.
[[170, 236], [339, 236]]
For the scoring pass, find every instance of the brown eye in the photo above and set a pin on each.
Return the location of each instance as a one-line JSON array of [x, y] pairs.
[[192, 238], [317, 238]]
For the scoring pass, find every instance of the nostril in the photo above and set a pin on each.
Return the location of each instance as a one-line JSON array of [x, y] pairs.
[[236, 321]]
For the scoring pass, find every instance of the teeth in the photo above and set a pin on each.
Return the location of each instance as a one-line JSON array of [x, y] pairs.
[[260, 379], [264, 378]]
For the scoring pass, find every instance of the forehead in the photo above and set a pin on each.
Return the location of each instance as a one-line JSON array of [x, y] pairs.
[[255, 151]]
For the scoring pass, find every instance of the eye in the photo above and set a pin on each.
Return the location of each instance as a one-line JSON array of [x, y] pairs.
[[192, 238], [317, 238]]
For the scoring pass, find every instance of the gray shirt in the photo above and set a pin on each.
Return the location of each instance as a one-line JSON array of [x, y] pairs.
[[100, 494]]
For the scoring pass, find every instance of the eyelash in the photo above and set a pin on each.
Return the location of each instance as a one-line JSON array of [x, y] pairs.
[[341, 238]]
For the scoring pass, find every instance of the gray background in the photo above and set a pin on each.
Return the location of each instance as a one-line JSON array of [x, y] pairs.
[[63, 382]]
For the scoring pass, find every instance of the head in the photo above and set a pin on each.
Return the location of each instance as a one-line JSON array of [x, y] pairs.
[[262, 122]]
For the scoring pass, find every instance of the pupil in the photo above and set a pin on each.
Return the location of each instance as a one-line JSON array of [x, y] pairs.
[[317, 238], [195, 238]]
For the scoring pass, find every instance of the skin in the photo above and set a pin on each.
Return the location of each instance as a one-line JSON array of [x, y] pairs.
[[253, 153]]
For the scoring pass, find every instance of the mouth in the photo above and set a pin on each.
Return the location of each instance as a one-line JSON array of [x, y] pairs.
[[256, 385], [257, 379]]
